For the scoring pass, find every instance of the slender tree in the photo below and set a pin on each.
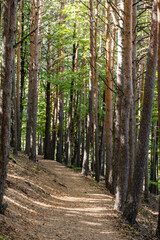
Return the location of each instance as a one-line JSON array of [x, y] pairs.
[[18, 77], [32, 93], [85, 165], [125, 110], [10, 11], [109, 99]]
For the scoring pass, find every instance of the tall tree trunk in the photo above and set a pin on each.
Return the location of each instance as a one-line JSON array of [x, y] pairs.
[[158, 86], [96, 130], [47, 154], [109, 99], [10, 11], [119, 95], [59, 156], [123, 171], [32, 94], [85, 165], [18, 78], [132, 133], [131, 208], [14, 112], [23, 72], [55, 117], [34, 83]]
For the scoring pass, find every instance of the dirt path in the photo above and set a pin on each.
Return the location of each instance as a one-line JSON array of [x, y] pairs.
[[80, 211], [51, 202]]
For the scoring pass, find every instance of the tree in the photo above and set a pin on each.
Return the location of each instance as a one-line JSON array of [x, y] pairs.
[[109, 99], [85, 165], [123, 170], [32, 93], [158, 86], [18, 78], [10, 12], [59, 155], [118, 101]]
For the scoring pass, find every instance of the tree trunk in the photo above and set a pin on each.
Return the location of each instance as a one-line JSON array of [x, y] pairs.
[[85, 165], [18, 78], [32, 94], [10, 11], [119, 95], [109, 100], [47, 153], [96, 130], [14, 112], [59, 156], [153, 167], [125, 110], [131, 208], [158, 8], [132, 132]]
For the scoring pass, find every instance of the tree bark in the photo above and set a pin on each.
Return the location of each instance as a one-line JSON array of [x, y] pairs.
[[10, 11], [133, 199], [96, 130], [18, 78], [32, 92], [47, 153], [123, 171], [118, 102], [109, 100], [59, 156], [85, 165]]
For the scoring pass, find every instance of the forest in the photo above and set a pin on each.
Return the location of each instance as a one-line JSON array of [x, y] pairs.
[[80, 85]]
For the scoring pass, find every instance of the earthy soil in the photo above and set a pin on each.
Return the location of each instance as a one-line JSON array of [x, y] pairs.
[[48, 201]]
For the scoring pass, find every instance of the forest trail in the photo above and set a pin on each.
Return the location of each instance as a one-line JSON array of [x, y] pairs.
[[47, 201]]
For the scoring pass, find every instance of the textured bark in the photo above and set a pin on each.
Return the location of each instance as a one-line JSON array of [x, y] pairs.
[[158, 86], [32, 94], [14, 112], [47, 153], [109, 100], [154, 161], [23, 72], [96, 130], [146, 190], [133, 200], [18, 78], [132, 133], [10, 11], [123, 171], [55, 118], [39, 38], [34, 82], [85, 165], [117, 114], [59, 156]]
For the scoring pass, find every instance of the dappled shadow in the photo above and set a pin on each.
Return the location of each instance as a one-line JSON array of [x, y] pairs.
[[59, 203]]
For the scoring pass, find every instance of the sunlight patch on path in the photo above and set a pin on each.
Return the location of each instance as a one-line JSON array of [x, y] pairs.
[[19, 205], [81, 199]]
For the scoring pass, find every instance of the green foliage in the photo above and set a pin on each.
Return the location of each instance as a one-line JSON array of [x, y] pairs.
[[3, 238], [153, 183]]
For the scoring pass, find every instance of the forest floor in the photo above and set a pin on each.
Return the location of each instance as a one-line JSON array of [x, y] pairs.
[[48, 201]]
